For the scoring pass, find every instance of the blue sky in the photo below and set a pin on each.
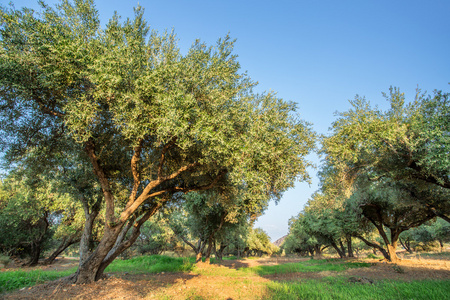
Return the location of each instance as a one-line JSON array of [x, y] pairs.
[[319, 54]]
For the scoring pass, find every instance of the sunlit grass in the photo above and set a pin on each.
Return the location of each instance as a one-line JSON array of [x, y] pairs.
[[306, 266], [337, 287], [340, 288], [12, 280], [151, 264]]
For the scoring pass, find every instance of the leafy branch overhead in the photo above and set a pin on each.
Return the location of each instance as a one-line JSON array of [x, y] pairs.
[[149, 120]]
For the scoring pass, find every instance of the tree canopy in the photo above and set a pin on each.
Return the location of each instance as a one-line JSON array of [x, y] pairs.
[[149, 120]]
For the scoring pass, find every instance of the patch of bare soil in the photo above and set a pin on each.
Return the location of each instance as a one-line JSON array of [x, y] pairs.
[[405, 270], [60, 264], [216, 281]]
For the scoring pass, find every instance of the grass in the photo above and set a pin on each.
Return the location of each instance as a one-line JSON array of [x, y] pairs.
[[340, 288], [12, 280], [151, 264], [306, 266], [336, 287]]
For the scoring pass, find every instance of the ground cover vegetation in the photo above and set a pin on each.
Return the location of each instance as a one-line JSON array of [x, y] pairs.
[[263, 278]]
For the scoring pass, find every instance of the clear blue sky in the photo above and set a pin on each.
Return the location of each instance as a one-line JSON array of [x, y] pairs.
[[319, 54]]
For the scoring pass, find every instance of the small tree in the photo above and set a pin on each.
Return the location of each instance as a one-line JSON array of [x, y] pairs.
[[388, 205]]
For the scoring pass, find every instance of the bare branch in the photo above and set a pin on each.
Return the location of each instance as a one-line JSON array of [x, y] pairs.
[[134, 170], [106, 188], [163, 154]]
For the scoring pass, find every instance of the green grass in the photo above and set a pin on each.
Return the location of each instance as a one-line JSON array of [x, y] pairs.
[[340, 288], [12, 280], [306, 266], [337, 287], [151, 264]]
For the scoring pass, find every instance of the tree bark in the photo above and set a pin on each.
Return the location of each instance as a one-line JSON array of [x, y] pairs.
[[65, 243], [406, 244], [120, 245], [374, 246], [209, 250], [339, 251], [87, 271], [349, 247], [92, 266], [392, 247], [90, 215], [342, 247], [219, 253], [36, 244], [35, 253]]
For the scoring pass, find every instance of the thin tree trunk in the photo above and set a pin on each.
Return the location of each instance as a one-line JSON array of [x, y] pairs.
[[349, 246], [339, 251], [342, 247], [219, 253], [375, 247], [405, 244], [65, 243], [90, 215], [36, 244], [35, 253]]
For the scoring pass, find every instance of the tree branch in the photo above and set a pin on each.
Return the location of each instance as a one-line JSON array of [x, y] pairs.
[[106, 188], [134, 170], [163, 154]]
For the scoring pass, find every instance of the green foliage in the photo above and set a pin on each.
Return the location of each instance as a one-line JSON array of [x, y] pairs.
[[378, 172], [156, 236], [4, 260], [402, 143], [259, 242], [24, 216], [150, 121]]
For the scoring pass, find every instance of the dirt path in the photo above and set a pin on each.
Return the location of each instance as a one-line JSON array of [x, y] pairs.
[[220, 281]]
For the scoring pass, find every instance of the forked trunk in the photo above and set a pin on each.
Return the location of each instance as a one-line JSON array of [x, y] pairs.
[[35, 253], [339, 251], [88, 271], [406, 244], [113, 243], [392, 248], [219, 253]]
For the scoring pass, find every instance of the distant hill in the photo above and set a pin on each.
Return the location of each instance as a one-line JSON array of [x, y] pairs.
[[280, 241]]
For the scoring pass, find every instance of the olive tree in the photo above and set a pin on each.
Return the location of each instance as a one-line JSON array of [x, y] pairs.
[[150, 121], [407, 142]]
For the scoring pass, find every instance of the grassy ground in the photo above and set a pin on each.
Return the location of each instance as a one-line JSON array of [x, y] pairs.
[[163, 277], [341, 288], [12, 280]]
